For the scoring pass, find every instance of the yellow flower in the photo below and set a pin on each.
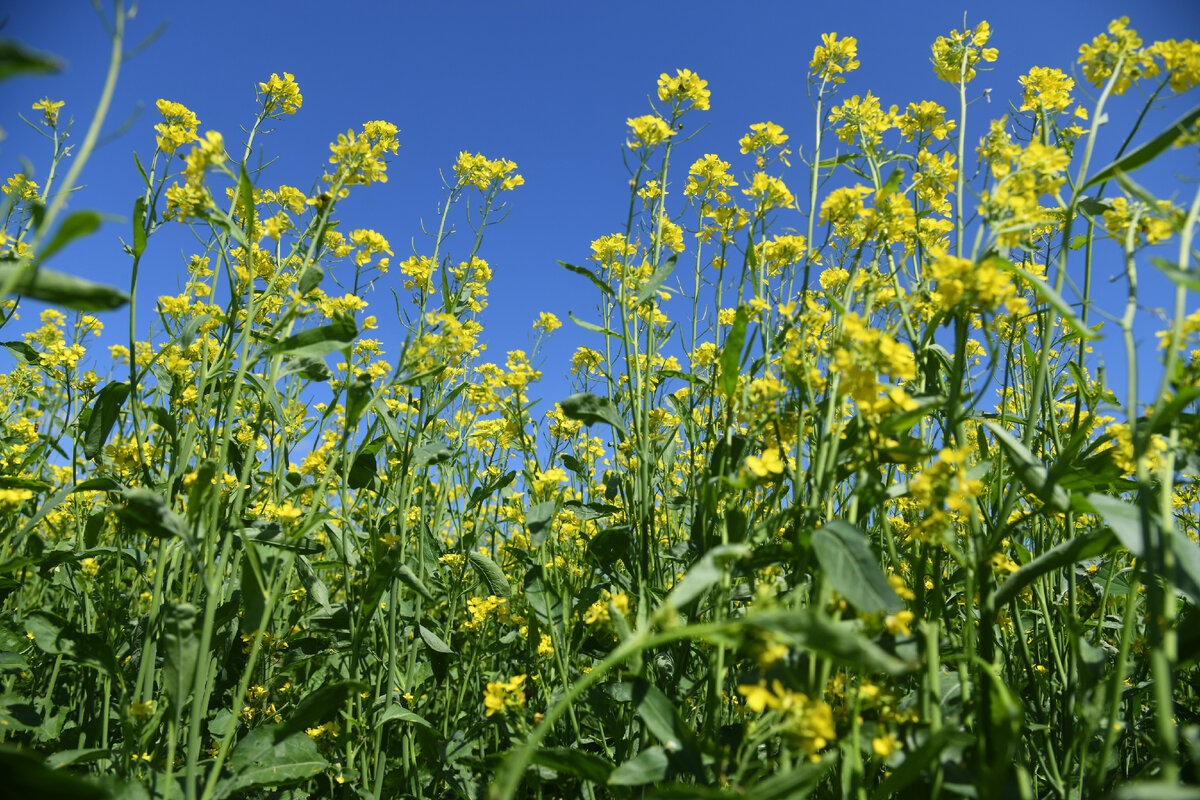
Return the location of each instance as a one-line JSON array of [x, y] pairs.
[[955, 56], [833, 58], [49, 109], [767, 465], [547, 323], [502, 696], [884, 745], [280, 95], [177, 128], [1101, 57], [1045, 88], [649, 130], [686, 85]]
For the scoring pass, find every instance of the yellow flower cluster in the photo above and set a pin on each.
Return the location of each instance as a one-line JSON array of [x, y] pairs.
[[177, 128], [483, 173], [926, 118], [685, 86], [863, 119], [502, 696], [648, 130], [1045, 88], [956, 56], [708, 178], [1119, 49], [809, 722], [359, 159], [982, 287], [280, 95], [833, 58]]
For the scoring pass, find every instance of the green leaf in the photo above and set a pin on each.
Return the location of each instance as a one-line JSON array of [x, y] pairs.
[[916, 762], [731, 356], [571, 761], [317, 342], [404, 715], [488, 489], [648, 766], [105, 410], [1047, 293], [656, 280], [890, 185], [314, 587], [61, 289], [318, 707], [838, 641], [310, 279], [491, 573], [593, 277], [703, 575], [409, 578], [146, 510], [180, 648], [432, 453], [1143, 154], [845, 553], [139, 226], [77, 225], [54, 635], [1088, 545], [662, 719], [1029, 470], [65, 758], [590, 409], [827, 163], [797, 783], [433, 641], [1189, 278], [589, 326], [262, 759], [26, 776], [15, 59], [23, 351]]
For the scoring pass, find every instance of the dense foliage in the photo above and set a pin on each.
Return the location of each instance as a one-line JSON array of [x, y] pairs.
[[839, 505]]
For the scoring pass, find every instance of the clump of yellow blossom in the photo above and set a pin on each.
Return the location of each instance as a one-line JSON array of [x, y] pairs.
[[685, 86], [280, 95], [833, 58], [956, 56], [503, 696]]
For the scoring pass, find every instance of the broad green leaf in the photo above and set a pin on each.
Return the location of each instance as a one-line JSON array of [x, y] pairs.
[[412, 581], [432, 453], [572, 761], [404, 715], [649, 766], [105, 410], [590, 409], [180, 648], [77, 225], [314, 587], [23, 351], [88, 755], [546, 603], [853, 569], [146, 510], [538, 519], [317, 342], [1088, 545], [61, 289], [916, 762], [262, 759], [318, 707], [16, 58], [491, 573], [310, 279], [1143, 154], [27, 777], [488, 489], [731, 356], [796, 783], [54, 635], [890, 185], [703, 575], [656, 280], [433, 641], [1029, 470], [593, 277], [662, 719], [838, 641]]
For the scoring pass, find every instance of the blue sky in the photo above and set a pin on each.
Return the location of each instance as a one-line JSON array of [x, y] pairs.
[[548, 85]]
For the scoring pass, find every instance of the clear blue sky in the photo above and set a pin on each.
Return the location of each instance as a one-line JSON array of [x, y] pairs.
[[548, 85]]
